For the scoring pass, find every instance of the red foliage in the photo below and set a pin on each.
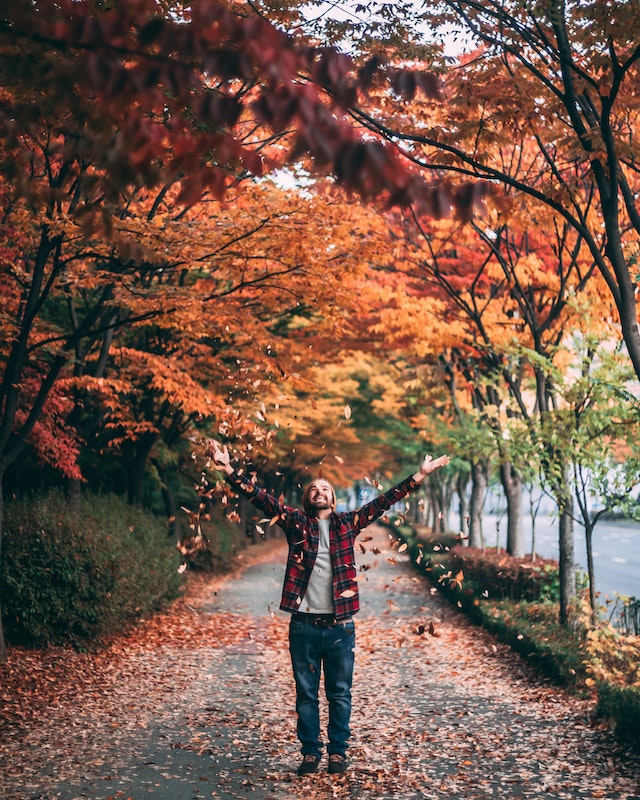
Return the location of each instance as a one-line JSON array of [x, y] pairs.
[[53, 442], [166, 97]]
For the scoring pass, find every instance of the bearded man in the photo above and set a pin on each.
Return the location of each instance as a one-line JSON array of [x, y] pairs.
[[320, 592]]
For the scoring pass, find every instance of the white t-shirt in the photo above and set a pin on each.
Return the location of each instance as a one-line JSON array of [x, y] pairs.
[[318, 598]]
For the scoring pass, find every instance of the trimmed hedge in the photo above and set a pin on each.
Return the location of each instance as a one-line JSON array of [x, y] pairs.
[[621, 705], [73, 575], [533, 630], [487, 574]]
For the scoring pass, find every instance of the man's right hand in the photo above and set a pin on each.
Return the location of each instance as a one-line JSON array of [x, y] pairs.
[[220, 455]]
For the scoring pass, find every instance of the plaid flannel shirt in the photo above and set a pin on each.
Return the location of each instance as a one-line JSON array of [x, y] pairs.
[[302, 535]]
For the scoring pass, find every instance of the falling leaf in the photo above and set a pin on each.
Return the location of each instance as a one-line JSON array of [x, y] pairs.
[[347, 412], [347, 593]]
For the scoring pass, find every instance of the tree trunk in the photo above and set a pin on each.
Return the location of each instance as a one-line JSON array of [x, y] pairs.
[[588, 533], [461, 487], [476, 503], [512, 484], [136, 455], [3, 645], [135, 491], [169, 503], [567, 559]]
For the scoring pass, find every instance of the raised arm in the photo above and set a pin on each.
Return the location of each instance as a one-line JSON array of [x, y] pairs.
[[271, 506], [374, 509]]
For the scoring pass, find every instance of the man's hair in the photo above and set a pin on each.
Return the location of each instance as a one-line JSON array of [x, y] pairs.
[[305, 496]]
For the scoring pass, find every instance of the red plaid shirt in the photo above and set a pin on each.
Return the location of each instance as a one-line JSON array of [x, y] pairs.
[[302, 535]]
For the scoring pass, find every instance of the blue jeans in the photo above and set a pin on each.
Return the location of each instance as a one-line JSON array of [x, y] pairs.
[[332, 649]]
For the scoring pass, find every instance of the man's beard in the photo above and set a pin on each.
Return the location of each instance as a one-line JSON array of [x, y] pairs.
[[321, 505]]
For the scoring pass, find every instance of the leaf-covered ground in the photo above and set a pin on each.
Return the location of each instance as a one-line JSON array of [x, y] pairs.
[[198, 702]]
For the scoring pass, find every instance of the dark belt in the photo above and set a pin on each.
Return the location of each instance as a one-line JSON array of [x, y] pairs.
[[319, 620]]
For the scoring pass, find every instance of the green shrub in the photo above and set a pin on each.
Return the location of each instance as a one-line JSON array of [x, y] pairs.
[[212, 544], [621, 705], [397, 526], [534, 630], [72, 575], [496, 575]]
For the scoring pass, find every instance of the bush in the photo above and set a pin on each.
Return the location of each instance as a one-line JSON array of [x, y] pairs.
[[533, 630], [621, 706], [496, 575], [75, 575]]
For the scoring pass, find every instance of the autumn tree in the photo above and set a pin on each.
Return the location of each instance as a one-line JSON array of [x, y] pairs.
[[597, 427], [553, 86], [496, 301], [99, 101]]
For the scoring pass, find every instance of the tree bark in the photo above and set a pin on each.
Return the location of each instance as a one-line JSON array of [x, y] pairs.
[[512, 486], [462, 483], [136, 455], [169, 503], [3, 644], [567, 567], [588, 533], [476, 503]]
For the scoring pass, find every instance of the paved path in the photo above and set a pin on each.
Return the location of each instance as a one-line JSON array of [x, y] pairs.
[[441, 710]]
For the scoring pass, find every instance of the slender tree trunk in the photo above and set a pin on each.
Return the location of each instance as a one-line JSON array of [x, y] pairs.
[[3, 645], [169, 504], [567, 558], [512, 484], [136, 456], [588, 533], [462, 483], [476, 503], [135, 490], [533, 513]]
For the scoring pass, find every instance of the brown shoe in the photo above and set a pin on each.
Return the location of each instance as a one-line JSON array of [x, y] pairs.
[[337, 763], [309, 764]]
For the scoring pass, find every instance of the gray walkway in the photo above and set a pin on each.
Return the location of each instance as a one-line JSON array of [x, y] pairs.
[[207, 710]]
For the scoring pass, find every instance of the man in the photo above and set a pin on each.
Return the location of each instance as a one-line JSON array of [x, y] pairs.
[[321, 593]]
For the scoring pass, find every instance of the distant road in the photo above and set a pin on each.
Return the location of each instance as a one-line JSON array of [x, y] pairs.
[[616, 549]]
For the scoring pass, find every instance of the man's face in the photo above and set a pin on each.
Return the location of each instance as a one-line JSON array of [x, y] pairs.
[[320, 495]]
